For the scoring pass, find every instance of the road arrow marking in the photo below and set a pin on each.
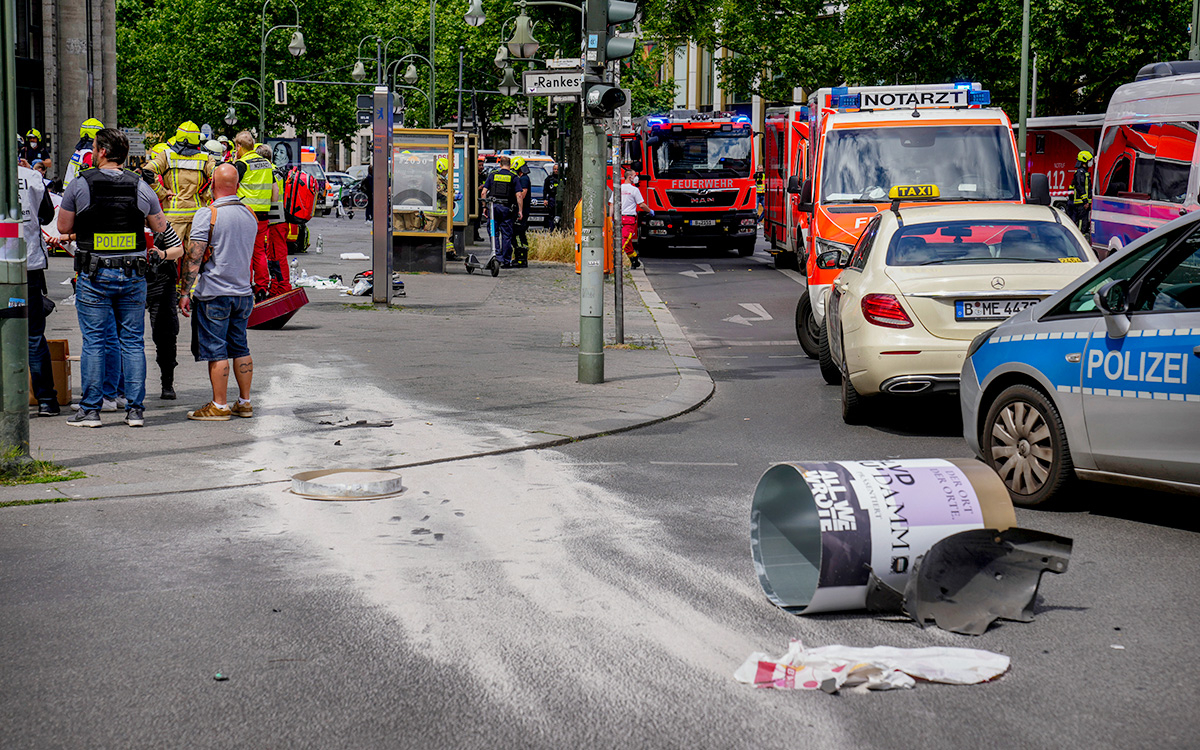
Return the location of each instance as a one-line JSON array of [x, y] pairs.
[[705, 269], [753, 307]]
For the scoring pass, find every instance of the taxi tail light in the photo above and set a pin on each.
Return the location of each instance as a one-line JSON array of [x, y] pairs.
[[885, 310]]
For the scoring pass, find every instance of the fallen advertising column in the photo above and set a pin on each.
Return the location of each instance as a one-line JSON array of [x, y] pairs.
[[818, 530]]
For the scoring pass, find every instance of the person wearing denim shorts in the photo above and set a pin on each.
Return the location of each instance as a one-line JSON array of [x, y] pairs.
[[107, 208], [217, 273]]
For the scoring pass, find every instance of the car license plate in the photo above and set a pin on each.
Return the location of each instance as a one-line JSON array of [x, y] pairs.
[[704, 222], [989, 309]]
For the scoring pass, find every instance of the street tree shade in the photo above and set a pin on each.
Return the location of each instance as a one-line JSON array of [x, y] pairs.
[[359, 72], [296, 46], [508, 84], [523, 44], [475, 15]]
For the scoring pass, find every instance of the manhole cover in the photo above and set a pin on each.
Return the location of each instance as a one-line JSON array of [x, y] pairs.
[[346, 484]]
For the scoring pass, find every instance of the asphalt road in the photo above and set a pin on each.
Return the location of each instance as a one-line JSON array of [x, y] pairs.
[[599, 595]]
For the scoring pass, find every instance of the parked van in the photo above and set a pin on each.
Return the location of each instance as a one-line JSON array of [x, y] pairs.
[[1146, 170]]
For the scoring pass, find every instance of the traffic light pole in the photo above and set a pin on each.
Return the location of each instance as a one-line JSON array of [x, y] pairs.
[[14, 328], [591, 266]]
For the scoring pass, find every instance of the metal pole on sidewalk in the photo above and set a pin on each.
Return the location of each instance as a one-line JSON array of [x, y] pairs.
[[591, 270], [458, 122], [381, 199], [14, 330], [616, 222], [1024, 105]]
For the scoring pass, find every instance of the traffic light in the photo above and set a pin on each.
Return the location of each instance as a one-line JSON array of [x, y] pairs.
[[601, 99], [602, 43]]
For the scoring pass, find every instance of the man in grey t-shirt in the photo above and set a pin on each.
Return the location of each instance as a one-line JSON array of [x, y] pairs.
[[216, 285]]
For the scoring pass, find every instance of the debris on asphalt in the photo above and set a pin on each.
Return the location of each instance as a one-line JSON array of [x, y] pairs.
[[969, 580], [364, 284], [219, 677], [354, 256], [831, 668], [818, 529], [346, 484], [333, 281], [1117, 646]]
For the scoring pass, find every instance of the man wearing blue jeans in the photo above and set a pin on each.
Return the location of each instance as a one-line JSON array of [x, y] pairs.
[[107, 208], [216, 284]]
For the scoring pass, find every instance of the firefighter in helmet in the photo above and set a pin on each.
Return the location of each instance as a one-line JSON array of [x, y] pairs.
[[82, 158], [1079, 202]]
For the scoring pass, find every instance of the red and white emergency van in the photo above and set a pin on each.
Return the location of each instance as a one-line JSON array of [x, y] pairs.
[[696, 170], [785, 161], [865, 140], [1052, 145]]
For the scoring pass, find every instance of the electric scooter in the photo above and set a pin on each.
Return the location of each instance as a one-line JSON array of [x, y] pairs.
[[493, 263]]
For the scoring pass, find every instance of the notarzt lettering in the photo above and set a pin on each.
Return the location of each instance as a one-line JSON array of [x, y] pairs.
[[956, 98]]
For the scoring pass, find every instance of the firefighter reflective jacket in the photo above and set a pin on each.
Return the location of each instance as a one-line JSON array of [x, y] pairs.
[[257, 184], [1081, 186], [186, 174]]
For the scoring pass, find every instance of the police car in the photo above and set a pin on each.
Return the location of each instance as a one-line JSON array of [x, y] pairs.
[[924, 280], [1099, 381]]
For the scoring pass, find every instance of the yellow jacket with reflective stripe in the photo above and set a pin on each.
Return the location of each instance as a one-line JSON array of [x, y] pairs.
[[256, 184], [183, 183]]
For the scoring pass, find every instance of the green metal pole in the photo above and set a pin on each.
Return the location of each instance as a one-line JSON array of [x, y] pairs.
[[14, 331], [1024, 106], [432, 33], [591, 266], [1194, 48]]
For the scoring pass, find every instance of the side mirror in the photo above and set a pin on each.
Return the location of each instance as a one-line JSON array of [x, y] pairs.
[[832, 259], [806, 196], [1039, 190], [1113, 301], [793, 185]]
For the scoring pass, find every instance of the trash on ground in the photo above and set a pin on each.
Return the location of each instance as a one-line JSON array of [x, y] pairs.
[[830, 668], [969, 580], [817, 530], [364, 284], [354, 256], [219, 677], [346, 484], [333, 281], [1117, 646]]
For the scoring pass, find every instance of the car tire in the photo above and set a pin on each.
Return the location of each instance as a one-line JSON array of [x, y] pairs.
[[829, 369], [807, 330], [1024, 441], [854, 406]]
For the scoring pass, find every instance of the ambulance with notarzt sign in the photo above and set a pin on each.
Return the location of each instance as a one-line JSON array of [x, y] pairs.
[[866, 140]]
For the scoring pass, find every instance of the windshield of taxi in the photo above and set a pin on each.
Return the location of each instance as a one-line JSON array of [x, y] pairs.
[[966, 162], [946, 242], [703, 153]]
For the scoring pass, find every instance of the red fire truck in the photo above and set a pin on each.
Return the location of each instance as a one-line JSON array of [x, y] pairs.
[[785, 160], [1052, 144], [696, 170]]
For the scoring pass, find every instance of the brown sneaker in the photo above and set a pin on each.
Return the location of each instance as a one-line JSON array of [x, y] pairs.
[[210, 412], [242, 410]]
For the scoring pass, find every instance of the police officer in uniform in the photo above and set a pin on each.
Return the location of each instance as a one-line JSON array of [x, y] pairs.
[[256, 181], [501, 190], [82, 158], [550, 190], [106, 209], [520, 238], [1079, 202]]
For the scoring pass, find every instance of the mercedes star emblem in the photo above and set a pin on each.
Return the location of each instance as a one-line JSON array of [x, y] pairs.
[[997, 282]]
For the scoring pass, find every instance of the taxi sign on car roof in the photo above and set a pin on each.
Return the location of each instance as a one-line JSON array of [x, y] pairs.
[[913, 191]]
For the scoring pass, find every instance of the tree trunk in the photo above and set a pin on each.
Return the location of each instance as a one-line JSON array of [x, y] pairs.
[[571, 171]]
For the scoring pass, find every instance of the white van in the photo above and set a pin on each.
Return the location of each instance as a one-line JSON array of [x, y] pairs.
[[1146, 171]]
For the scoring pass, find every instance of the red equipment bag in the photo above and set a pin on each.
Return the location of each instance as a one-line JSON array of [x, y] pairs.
[[299, 196]]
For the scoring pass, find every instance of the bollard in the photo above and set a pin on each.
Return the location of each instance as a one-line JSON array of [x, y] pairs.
[[818, 529]]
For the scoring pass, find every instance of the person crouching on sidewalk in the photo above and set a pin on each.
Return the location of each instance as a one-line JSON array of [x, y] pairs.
[[217, 286]]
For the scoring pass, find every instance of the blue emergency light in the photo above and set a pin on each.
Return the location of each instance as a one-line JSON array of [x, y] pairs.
[[845, 101], [979, 97]]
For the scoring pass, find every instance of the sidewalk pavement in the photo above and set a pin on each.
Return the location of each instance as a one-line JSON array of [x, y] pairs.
[[344, 384]]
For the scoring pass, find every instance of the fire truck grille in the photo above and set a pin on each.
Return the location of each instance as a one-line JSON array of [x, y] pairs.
[[709, 199]]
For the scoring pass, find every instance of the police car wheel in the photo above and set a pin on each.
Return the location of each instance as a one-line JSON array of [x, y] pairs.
[[1024, 441], [829, 370], [807, 329]]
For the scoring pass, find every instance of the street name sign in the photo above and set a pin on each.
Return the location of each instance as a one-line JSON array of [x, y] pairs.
[[559, 63], [546, 83]]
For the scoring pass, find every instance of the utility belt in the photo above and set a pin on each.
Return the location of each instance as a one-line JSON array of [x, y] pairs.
[[91, 263]]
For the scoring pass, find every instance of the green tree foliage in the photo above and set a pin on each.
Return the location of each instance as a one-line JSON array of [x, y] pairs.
[[640, 75]]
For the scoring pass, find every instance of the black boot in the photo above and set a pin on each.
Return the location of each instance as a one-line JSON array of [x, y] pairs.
[[168, 389]]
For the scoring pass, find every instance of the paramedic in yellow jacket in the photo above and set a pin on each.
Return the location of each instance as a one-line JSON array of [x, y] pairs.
[[181, 175]]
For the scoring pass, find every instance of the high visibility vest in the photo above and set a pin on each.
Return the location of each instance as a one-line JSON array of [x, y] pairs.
[[80, 160], [256, 184]]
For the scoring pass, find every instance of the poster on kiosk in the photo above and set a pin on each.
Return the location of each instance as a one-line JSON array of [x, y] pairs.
[[423, 187]]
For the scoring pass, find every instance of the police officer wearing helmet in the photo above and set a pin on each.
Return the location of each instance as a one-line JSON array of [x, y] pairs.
[[82, 158], [520, 238], [181, 176], [106, 208], [502, 191], [1079, 202]]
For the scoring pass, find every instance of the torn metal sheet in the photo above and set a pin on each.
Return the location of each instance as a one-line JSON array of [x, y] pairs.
[[967, 581]]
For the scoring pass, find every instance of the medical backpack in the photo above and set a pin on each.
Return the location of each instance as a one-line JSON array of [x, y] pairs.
[[299, 196]]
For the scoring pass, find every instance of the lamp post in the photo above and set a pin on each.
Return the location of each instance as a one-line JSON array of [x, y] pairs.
[[295, 46], [411, 76], [1024, 104]]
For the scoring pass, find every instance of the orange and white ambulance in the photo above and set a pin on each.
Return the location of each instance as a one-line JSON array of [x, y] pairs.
[[865, 140]]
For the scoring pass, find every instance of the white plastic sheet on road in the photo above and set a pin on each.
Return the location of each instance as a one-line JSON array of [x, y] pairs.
[[830, 668]]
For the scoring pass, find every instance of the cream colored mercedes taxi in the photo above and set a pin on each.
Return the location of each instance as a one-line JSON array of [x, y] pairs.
[[922, 282]]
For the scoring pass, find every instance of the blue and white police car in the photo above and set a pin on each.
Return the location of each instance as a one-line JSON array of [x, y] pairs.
[[1100, 380]]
